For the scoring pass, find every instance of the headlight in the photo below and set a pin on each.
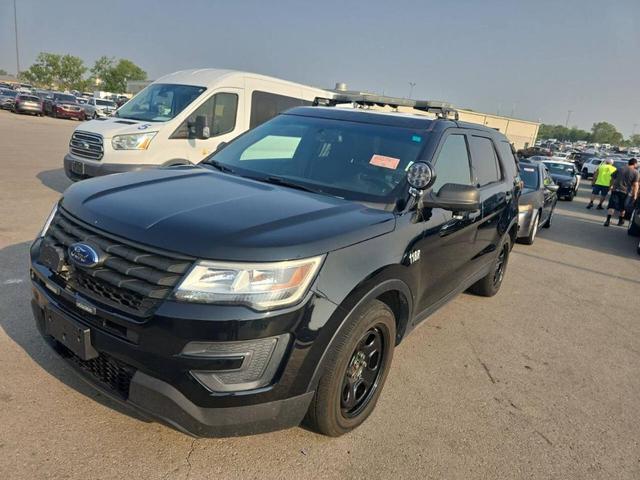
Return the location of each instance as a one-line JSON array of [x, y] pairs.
[[47, 222], [137, 141], [525, 208], [261, 286]]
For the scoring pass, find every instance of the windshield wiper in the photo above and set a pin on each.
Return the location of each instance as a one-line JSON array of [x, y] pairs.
[[219, 166], [287, 183]]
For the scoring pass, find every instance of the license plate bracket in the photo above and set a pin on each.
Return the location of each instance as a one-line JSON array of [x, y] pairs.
[[71, 334], [77, 167]]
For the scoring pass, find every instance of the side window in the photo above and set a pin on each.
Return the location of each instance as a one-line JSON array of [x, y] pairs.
[[506, 153], [452, 164], [547, 180], [485, 161], [220, 110], [265, 106]]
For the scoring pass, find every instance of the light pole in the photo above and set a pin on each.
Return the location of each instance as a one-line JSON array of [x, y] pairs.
[[411, 85], [566, 124], [633, 132], [15, 27]]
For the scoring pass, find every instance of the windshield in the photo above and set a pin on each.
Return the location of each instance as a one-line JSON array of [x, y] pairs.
[[105, 103], [529, 176], [29, 98], [356, 161], [560, 168], [8, 93], [66, 98], [160, 102]]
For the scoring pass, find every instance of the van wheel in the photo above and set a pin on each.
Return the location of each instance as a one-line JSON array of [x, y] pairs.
[[358, 364], [490, 285]]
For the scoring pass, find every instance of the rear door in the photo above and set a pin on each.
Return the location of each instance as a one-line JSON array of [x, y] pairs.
[[494, 195]]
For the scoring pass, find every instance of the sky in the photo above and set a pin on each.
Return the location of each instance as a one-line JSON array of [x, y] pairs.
[[531, 59]]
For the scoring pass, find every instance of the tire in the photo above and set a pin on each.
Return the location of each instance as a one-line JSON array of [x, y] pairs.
[[331, 411], [633, 229], [533, 230], [94, 116], [547, 224], [571, 196], [490, 284], [585, 173]]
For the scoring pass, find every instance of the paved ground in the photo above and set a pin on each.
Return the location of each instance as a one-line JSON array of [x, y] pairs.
[[539, 382]]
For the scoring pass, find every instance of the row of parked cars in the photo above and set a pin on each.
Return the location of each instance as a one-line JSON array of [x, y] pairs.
[[56, 104]]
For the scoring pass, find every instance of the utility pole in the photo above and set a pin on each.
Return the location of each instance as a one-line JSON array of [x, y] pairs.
[[566, 124], [411, 85], [15, 27], [633, 132]]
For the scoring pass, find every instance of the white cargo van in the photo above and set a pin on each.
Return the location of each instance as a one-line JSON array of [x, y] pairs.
[[180, 118]]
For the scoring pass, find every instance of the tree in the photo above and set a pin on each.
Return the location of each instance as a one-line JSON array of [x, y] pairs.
[[634, 140], [57, 71], [560, 132], [113, 76], [604, 132], [3, 72]]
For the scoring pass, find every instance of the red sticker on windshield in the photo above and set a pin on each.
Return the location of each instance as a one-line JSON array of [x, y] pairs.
[[384, 162]]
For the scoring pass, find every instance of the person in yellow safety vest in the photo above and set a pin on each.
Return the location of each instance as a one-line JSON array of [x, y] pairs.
[[602, 182]]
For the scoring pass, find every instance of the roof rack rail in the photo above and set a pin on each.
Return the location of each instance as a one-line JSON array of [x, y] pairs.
[[439, 109]]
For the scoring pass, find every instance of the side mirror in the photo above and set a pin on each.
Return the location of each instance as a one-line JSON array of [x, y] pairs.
[[552, 187], [202, 127], [455, 197]]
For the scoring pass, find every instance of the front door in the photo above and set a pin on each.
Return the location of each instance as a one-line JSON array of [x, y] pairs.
[[448, 243], [223, 114]]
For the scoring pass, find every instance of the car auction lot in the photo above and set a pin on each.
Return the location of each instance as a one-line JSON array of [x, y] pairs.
[[540, 381]]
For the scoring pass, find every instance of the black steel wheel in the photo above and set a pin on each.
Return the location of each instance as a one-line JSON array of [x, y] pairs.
[[490, 284], [363, 372], [356, 367]]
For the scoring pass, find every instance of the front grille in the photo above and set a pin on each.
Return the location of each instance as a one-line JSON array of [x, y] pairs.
[[106, 371], [131, 278], [87, 145]]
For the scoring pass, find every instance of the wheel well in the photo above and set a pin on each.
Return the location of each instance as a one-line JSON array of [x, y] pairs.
[[398, 304]]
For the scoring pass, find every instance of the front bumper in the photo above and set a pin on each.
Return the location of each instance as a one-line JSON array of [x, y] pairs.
[[157, 380], [29, 108], [61, 113], [156, 399], [566, 190], [78, 169]]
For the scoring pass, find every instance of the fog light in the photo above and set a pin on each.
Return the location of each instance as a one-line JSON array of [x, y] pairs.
[[254, 362]]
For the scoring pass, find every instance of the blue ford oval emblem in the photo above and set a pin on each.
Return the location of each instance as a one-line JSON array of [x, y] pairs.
[[84, 255]]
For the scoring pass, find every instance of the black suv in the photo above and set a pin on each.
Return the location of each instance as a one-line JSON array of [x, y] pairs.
[[271, 283]]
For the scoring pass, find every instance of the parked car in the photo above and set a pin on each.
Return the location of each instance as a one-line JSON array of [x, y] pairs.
[[99, 108], [565, 175], [63, 105], [28, 104], [7, 98], [534, 151], [590, 166], [537, 202], [272, 282], [578, 158], [180, 119]]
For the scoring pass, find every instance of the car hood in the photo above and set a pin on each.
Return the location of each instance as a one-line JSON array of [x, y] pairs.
[[561, 178], [112, 126], [208, 214]]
